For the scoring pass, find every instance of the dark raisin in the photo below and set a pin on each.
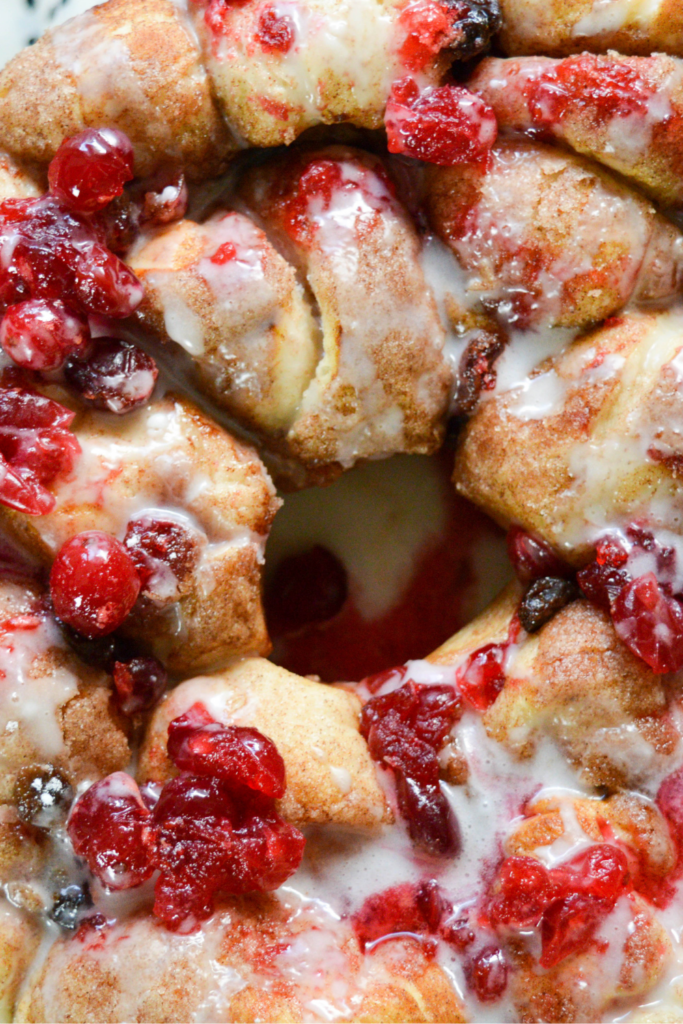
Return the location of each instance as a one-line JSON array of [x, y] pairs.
[[69, 904], [117, 376], [544, 598], [42, 795], [476, 372]]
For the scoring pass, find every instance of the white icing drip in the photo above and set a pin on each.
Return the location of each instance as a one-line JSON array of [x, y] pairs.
[[613, 15]]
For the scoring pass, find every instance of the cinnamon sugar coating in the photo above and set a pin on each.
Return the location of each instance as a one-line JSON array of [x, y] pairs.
[[126, 65]]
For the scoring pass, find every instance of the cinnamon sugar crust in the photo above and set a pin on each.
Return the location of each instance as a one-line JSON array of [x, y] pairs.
[[142, 54]]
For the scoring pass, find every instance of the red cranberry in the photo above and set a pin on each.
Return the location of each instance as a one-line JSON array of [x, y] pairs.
[[90, 169], [116, 376], [650, 623], [487, 974], [524, 890], [109, 828], [238, 755], [93, 583], [36, 447], [670, 803], [405, 731], [305, 588], [39, 335], [567, 926], [391, 912], [210, 841], [50, 252], [139, 684], [445, 126], [532, 558], [428, 28], [165, 553], [482, 677], [598, 87], [275, 32]]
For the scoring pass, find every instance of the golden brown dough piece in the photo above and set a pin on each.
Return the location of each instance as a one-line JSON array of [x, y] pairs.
[[559, 27], [549, 239], [170, 456], [222, 292], [330, 775], [601, 447], [127, 65], [14, 182], [278, 69], [381, 386], [574, 681], [626, 112], [19, 941], [64, 716], [245, 965]]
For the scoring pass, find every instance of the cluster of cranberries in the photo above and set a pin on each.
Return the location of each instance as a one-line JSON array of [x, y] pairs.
[[405, 731], [566, 903], [424, 912], [56, 268], [646, 612], [213, 829]]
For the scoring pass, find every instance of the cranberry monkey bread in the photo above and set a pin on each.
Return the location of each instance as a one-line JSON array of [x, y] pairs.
[[246, 247]]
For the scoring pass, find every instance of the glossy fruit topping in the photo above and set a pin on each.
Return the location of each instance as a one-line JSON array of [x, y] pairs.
[[597, 88], [634, 578], [115, 375], [90, 169], [424, 28], [214, 831], [94, 583], [532, 558], [36, 447], [275, 31], [567, 903], [109, 828], [487, 974], [165, 552], [482, 677], [139, 683], [236, 754], [405, 731], [39, 335], [446, 126], [420, 910]]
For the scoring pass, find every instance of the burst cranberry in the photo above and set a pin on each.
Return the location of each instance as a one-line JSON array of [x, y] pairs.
[[487, 974], [116, 376], [482, 677], [567, 926], [165, 553], [427, 27], [305, 588], [275, 32], [405, 731], [650, 623], [109, 828], [597, 86], [532, 558], [90, 169], [239, 756], [670, 803], [210, 841], [391, 912], [36, 447], [524, 890], [39, 335], [139, 684], [50, 252], [605, 872], [445, 126], [94, 583]]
